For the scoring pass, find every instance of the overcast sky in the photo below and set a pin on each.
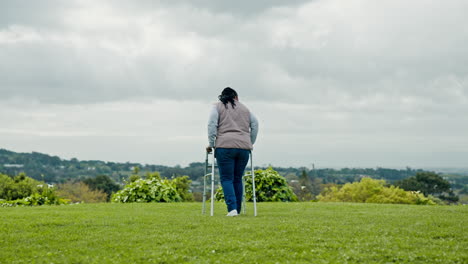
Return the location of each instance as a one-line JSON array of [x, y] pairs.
[[356, 83]]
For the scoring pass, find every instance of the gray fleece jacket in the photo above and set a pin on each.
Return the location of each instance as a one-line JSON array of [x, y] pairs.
[[232, 127]]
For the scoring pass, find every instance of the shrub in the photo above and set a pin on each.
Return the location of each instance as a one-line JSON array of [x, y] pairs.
[[18, 187], [154, 189], [183, 188], [102, 183], [44, 196], [22, 190], [79, 192], [372, 191], [5, 186], [270, 186]]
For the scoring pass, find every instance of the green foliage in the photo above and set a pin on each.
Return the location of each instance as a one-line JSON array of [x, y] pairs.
[[450, 197], [372, 191], [425, 182], [48, 168], [270, 186], [183, 188], [19, 187], [153, 189], [153, 175], [102, 183], [429, 183], [136, 170], [305, 188], [79, 192], [5, 186], [22, 190], [44, 196], [133, 178]]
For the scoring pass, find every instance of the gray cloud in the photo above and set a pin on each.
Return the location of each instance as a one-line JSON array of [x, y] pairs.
[[87, 52], [357, 75], [243, 8], [41, 14]]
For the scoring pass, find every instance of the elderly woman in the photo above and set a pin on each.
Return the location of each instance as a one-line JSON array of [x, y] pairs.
[[232, 131]]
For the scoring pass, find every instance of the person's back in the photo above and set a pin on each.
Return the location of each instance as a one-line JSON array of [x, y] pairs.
[[233, 126]]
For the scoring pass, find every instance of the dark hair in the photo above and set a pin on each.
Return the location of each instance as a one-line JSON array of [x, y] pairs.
[[227, 96]]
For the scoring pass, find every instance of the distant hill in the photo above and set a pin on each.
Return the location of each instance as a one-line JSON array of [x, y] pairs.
[[53, 169]]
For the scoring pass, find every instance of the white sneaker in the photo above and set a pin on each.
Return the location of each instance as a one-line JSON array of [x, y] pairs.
[[233, 213]]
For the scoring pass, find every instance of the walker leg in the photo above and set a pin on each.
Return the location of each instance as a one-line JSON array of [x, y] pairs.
[[212, 184], [204, 185], [253, 184], [243, 195]]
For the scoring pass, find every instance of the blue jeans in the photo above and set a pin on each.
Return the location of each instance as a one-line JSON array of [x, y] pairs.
[[231, 164]]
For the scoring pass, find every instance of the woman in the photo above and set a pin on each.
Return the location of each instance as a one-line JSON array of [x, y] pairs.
[[232, 131]]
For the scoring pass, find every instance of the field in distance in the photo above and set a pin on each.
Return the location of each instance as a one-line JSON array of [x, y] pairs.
[[281, 233]]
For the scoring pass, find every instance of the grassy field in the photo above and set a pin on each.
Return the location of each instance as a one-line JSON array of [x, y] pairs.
[[282, 233]]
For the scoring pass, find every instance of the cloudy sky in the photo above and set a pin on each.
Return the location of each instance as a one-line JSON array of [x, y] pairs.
[[356, 83]]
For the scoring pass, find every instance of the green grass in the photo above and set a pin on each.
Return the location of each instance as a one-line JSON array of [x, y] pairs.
[[282, 233]]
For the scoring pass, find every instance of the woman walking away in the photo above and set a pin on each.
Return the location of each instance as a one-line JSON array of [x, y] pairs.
[[232, 131]]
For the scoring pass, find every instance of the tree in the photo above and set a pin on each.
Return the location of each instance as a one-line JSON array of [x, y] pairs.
[[304, 188], [135, 175], [102, 183], [429, 183], [307, 187]]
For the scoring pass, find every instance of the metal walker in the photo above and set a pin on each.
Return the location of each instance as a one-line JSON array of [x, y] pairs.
[[212, 174]]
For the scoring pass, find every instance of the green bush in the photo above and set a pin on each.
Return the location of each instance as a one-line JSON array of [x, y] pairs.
[[372, 191], [17, 187], [425, 182], [270, 186], [22, 190], [102, 183], [183, 188], [80, 192], [45, 196], [155, 189]]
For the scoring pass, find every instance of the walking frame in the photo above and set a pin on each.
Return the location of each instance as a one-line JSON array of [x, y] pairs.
[[212, 175]]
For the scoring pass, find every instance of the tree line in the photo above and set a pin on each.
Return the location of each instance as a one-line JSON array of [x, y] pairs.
[[53, 169], [110, 176]]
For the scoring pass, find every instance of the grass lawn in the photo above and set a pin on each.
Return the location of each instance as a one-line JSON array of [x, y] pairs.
[[282, 233]]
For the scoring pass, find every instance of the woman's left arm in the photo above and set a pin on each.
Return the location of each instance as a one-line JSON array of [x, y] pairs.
[[253, 128], [213, 127]]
